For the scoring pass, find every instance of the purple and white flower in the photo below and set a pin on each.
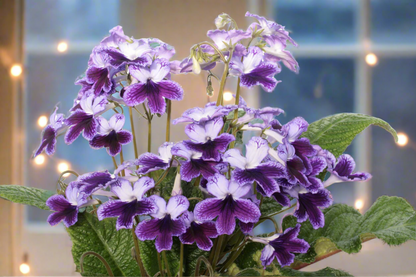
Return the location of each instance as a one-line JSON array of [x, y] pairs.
[[110, 134], [166, 222], [152, 86], [150, 162], [130, 204], [253, 70], [342, 171], [205, 139], [282, 247], [49, 134], [252, 168], [194, 165], [84, 120], [200, 115], [66, 209], [99, 72], [115, 38], [199, 232], [223, 37], [129, 52], [228, 204]]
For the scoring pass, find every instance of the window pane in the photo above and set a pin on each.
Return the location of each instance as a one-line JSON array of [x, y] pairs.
[[318, 21], [393, 21], [322, 88], [394, 96]]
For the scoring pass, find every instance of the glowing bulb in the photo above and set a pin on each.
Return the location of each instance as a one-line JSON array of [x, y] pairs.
[[62, 46], [16, 70], [24, 268], [359, 204], [371, 59], [63, 166], [227, 96], [403, 139], [40, 159], [42, 121]]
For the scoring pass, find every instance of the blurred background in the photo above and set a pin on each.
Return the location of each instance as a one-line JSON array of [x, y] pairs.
[[354, 56]]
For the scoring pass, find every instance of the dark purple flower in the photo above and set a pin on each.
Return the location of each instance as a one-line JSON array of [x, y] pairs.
[[152, 86], [199, 232], [129, 52], [166, 222], [290, 131], [251, 168], [201, 115], [205, 139], [282, 246], [84, 120], [66, 209], [93, 181], [85, 87], [98, 73], [228, 204], [110, 134], [49, 134], [220, 37], [194, 165], [342, 171], [150, 162], [246, 228], [131, 202], [253, 71]]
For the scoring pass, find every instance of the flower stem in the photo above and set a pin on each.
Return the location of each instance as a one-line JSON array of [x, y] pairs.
[[222, 85], [137, 248], [237, 102], [232, 258], [115, 163], [166, 263], [123, 173], [149, 136], [181, 261], [217, 251], [136, 153], [169, 110], [159, 262], [215, 48], [107, 266]]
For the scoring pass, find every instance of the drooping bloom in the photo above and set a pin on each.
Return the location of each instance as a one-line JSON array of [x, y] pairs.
[[199, 232], [129, 52], [66, 209], [201, 115], [93, 181], [252, 168], [166, 222], [194, 165], [228, 205], [150, 162], [98, 73], [115, 38], [282, 247], [342, 171], [84, 120], [152, 86], [49, 134], [110, 134], [131, 202], [205, 139], [253, 70], [223, 37]]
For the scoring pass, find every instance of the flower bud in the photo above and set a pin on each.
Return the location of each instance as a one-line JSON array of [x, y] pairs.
[[196, 68], [222, 20], [177, 189]]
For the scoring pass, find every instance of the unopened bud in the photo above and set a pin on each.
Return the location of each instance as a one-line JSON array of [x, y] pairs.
[[210, 89], [177, 188], [222, 20], [196, 67]]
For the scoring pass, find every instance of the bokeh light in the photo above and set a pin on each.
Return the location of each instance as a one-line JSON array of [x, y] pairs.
[[16, 70], [42, 121], [62, 46], [371, 59], [40, 159], [403, 139]]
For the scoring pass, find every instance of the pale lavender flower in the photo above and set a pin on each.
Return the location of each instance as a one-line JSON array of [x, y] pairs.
[[282, 247], [220, 37], [198, 232], [129, 52], [150, 162], [130, 204], [252, 168], [152, 86], [166, 222], [228, 204], [115, 38], [201, 115]]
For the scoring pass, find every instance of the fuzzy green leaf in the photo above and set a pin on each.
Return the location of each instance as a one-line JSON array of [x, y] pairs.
[[90, 234], [286, 271], [192, 253], [270, 207], [26, 195], [336, 132], [250, 256], [249, 272], [391, 219]]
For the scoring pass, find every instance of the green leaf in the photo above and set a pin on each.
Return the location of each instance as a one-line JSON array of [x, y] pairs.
[[250, 256], [391, 219], [192, 253], [101, 237], [249, 272], [26, 195], [336, 132], [287, 271], [270, 207]]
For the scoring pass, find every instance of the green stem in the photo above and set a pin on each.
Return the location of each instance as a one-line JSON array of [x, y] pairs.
[[136, 153], [169, 110], [207, 263], [282, 211], [276, 226], [237, 102], [181, 262], [232, 258], [159, 262], [138, 257], [217, 251], [163, 176], [149, 136], [222, 84], [215, 48], [107, 267], [166, 263], [115, 163], [123, 173]]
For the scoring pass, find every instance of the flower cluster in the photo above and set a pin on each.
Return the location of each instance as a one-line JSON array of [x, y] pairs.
[[277, 163]]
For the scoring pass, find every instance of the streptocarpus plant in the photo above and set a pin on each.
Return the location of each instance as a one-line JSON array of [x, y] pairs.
[[191, 208]]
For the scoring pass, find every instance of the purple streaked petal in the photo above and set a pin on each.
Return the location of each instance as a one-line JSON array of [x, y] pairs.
[[196, 132], [304, 147], [150, 162], [318, 164], [101, 79], [48, 141], [143, 185], [117, 58], [148, 229], [194, 168], [316, 184], [80, 121], [261, 75], [257, 149], [212, 148], [161, 206], [267, 255], [246, 228], [58, 203], [116, 122], [124, 137], [345, 165], [235, 159], [218, 186], [177, 205], [208, 209], [308, 204], [281, 198], [246, 211], [226, 220]]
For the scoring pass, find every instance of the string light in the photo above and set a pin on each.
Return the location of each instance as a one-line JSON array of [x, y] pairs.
[[42, 121], [62, 46], [63, 166], [371, 59], [16, 70], [40, 159], [24, 267], [359, 204], [228, 96], [403, 139]]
